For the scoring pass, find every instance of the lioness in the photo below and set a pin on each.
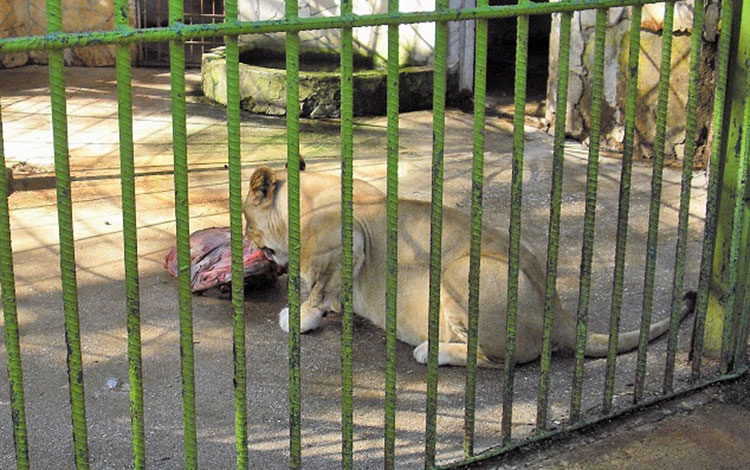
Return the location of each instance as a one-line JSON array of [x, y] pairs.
[[265, 210]]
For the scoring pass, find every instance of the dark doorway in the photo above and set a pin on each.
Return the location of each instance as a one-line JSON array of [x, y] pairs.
[[501, 62], [155, 13]]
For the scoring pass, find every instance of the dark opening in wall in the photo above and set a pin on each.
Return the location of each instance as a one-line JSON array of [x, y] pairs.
[[501, 58]]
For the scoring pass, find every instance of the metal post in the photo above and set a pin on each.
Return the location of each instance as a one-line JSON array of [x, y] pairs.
[[723, 300]]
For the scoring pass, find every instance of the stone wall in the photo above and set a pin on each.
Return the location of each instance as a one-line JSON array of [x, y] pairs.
[[28, 18], [615, 77], [12, 23]]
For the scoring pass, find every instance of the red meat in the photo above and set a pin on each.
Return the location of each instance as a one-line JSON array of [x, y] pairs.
[[211, 260]]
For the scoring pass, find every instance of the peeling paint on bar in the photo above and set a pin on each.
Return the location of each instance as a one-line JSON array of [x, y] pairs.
[[130, 239], [67, 245]]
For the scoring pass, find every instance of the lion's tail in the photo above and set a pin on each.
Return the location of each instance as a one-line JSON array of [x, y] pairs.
[[597, 345]]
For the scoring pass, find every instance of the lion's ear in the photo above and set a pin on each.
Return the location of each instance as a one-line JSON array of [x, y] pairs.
[[262, 185]]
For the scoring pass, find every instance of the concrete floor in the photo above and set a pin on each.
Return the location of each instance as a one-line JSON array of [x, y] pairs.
[[98, 223], [706, 430]]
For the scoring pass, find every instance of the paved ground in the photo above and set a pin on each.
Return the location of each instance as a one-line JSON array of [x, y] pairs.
[[96, 190], [704, 430]]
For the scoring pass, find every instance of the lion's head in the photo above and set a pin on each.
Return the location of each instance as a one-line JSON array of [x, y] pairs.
[[265, 210]]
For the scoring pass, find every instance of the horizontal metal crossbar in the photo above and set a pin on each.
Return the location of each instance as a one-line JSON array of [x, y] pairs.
[[179, 31]]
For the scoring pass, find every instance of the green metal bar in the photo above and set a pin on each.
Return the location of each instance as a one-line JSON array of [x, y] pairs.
[[185, 32], [182, 215], [522, 49], [712, 198], [292, 155], [587, 251], [67, 244], [475, 250], [235, 221], [741, 56], [10, 317], [687, 177], [740, 355], [130, 239], [347, 240], [436, 231], [656, 182], [558, 158], [624, 206], [730, 333], [732, 227], [470, 462], [391, 282]]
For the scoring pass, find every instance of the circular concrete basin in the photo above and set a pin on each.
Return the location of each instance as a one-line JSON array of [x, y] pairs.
[[263, 83]]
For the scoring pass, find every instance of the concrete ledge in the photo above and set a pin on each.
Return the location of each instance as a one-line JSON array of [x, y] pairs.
[[263, 88]]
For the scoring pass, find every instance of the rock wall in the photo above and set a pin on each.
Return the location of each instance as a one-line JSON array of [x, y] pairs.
[[615, 77], [28, 18], [12, 24]]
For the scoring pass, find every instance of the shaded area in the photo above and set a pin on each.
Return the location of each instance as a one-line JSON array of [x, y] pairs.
[[501, 64]]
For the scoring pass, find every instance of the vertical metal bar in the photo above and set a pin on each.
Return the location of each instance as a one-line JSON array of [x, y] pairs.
[[587, 251], [734, 199], [436, 231], [624, 205], [347, 240], [558, 158], [391, 293], [740, 352], [292, 155], [656, 183], [730, 334], [712, 198], [10, 317], [475, 251], [67, 244], [130, 238], [235, 220], [182, 214], [653, 216], [522, 48], [687, 177]]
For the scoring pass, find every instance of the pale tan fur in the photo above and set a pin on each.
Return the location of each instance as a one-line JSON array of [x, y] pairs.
[[320, 263]]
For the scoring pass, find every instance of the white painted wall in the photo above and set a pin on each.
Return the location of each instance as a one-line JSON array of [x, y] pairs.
[[416, 40]]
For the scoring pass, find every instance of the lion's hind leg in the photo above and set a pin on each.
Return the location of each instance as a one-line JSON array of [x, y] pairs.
[[454, 317], [454, 307]]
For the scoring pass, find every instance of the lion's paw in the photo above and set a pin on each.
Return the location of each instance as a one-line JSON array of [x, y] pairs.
[[310, 321], [420, 353], [284, 319]]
